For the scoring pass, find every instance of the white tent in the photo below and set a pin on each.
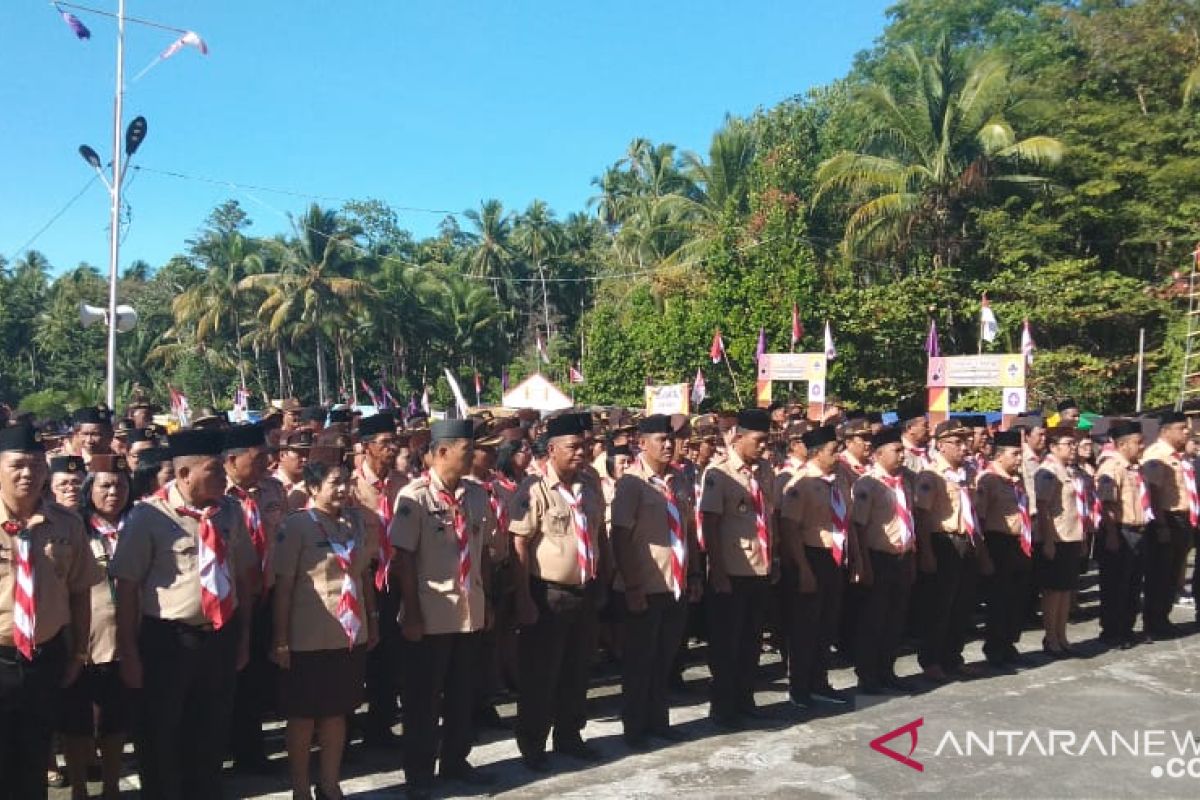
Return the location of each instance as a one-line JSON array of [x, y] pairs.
[[538, 393]]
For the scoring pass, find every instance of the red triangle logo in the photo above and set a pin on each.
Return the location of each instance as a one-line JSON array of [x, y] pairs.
[[879, 745]]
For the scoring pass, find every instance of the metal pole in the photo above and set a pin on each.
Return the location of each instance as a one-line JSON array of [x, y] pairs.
[[115, 215], [1141, 364]]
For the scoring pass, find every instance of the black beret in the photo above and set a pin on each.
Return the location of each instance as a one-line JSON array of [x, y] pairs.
[[124, 425], [1123, 428], [1067, 402], [153, 458], [451, 429], [142, 435], [1009, 438], [619, 450], [67, 464], [564, 425], [819, 437], [655, 423], [383, 422], [884, 436], [21, 438], [242, 437], [1171, 417], [196, 442], [754, 419], [90, 415]]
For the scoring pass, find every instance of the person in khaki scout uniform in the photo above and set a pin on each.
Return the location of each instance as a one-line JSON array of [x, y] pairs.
[[96, 708], [914, 434], [854, 461], [1171, 478], [93, 432], [816, 550], [881, 514], [658, 571], [293, 455], [1122, 546], [263, 506], [557, 523], [66, 481], [738, 509], [1004, 511], [325, 620], [1060, 529], [441, 567], [951, 550], [375, 486], [182, 635], [38, 654]]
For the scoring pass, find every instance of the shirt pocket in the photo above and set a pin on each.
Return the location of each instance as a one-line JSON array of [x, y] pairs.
[[184, 554]]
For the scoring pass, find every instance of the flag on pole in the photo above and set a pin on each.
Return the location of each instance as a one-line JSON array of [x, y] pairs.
[[77, 27], [797, 328], [180, 406], [425, 401], [370, 393], [762, 345], [188, 39], [464, 410], [386, 396], [541, 349], [718, 347], [699, 390], [504, 380], [931, 341], [478, 389], [1027, 346], [989, 328], [575, 375], [241, 405], [830, 350]]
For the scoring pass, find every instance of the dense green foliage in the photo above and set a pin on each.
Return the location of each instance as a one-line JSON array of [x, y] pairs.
[[1047, 153]]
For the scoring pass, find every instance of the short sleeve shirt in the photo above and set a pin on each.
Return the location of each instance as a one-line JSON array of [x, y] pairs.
[[639, 511], [1163, 472], [808, 502], [540, 513], [873, 510], [996, 502], [1117, 484], [295, 496], [1056, 499], [63, 564], [424, 526], [727, 495]]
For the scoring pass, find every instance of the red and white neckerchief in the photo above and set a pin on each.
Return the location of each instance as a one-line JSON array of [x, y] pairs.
[[675, 525], [216, 585], [921, 454], [1022, 498], [966, 509], [696, 509], [1083, 507], [383, 510], [1143, 493], [981, 463], [460, 534], [24, 631], [761, 530], [908, 532], [289, 486], [1189, 484], [858, 469], [108, 532], [499, 507], [348, 610], [164, 491], [584, 553], [254, 524], [841, 521]]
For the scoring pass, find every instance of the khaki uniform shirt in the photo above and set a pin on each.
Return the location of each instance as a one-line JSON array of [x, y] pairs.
[[1117, 485], [102, 642], [304, 554], [640, 509], [424, 526], [996, 503], [940, 499], [727, 495], [1163, 473], [851, 468], [539, 512], [917, 459], [499, 497], [62, 565], [1031, 462], [362, 489], [807, 502], [295, 496], [268, 495], [158, 549], [873, 510], [788, 471], [1056, 499]]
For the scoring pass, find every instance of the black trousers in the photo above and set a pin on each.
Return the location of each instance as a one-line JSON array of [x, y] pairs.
[[256, 688], [735, 643], [652, 640], [1121, 576], [555, 659], [29, 694], [812, 619], [188, 684], [383, 666], [1008, 593], [951, 600], [1164, 564], [439, 683], [883, 615]]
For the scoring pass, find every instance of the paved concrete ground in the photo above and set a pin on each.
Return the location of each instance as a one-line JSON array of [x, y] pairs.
[[827, 753]]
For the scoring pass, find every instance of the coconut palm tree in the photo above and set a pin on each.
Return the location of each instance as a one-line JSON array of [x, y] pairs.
[[932, 152], [491, 254]]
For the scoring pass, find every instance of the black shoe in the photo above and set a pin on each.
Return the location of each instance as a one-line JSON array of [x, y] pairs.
[[467, 774], [536, 762], [637, 743], [753, 712], [381, 738], [870, 688], [897, 684], [801, 700], [577, 748], [827, 694], [725, 723], [670, 735], [489, 717]]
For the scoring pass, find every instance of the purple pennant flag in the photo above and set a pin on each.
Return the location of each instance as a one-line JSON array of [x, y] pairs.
[[762, 345], [78, 28], [504, 380], [931, 341]]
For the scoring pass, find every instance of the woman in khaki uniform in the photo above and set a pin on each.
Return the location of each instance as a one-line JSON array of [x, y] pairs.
[[1061, 531], [95, 706], [325, 622]]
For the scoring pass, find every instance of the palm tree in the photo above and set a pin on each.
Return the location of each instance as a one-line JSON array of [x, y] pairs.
[[931, 153], [537, 239], [313, 292], [491, 255]]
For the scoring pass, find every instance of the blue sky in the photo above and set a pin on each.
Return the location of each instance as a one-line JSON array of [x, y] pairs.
[[435, 105]]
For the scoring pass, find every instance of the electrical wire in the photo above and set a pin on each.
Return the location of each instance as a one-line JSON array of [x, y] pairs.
[[53, 219]]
